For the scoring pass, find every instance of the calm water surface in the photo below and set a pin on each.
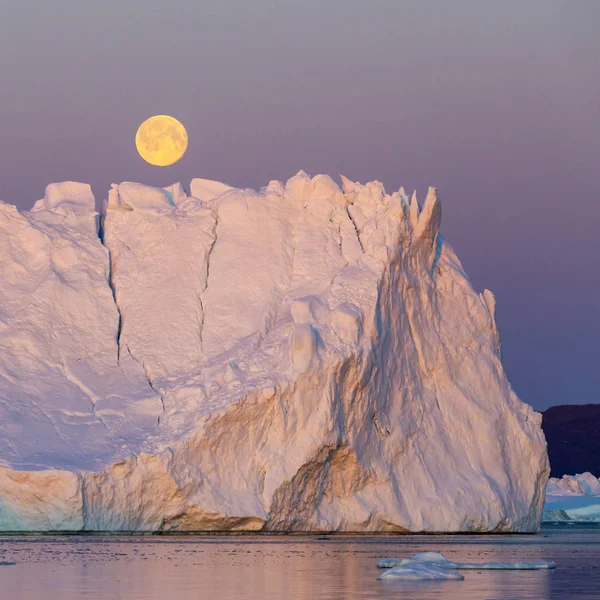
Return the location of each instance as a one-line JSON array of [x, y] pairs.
[[291, 567]]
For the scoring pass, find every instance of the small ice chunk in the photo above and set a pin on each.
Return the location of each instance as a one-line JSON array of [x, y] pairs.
[[68, 195], [136, 196], [422, 571]]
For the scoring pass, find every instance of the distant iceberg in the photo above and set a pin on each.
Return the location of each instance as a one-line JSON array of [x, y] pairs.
[[572, 498]]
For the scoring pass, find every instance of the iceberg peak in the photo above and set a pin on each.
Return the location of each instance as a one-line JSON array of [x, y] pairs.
[[67, 196]]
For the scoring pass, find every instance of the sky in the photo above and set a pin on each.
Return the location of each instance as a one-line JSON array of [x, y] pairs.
[[497, 104]]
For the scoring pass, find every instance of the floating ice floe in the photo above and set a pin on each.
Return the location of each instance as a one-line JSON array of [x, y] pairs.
[[422, 572], [398, 567]]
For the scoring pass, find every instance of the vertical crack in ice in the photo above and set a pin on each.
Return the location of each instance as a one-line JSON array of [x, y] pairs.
[[340, 243], [203, 290], [112, 285], [111, 282], [201, 326], [69, 376], [113, 288], [149, 379], [355, 229]]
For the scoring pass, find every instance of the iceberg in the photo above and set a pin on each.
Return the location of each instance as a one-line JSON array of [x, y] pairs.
[[572, 498], [584, 484], [306, 357]]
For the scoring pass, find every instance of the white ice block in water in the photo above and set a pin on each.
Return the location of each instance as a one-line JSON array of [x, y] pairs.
[[304, 357], [439, 560], [421, 572]]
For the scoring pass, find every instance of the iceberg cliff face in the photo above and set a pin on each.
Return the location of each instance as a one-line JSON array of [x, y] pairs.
[[306, 357]]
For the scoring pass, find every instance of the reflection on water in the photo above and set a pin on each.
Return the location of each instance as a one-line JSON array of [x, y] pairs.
[[292, 568]]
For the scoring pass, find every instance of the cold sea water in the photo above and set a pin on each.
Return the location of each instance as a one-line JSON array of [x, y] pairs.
[[292, 567]]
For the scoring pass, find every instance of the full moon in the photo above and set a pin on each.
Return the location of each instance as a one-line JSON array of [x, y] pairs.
[[161, 140]]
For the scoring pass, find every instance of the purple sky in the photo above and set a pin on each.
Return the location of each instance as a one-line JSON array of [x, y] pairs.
[[497, 104]]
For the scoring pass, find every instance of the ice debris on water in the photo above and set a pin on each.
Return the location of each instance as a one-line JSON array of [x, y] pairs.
[[427, 564], [422, 572]]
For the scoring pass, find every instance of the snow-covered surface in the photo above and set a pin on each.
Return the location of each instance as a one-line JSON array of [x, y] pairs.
[[305, 357], [573, 498], [439, 560]]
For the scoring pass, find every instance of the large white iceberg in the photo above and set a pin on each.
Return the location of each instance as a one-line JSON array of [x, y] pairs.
[[573, 498], [305, 357]]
